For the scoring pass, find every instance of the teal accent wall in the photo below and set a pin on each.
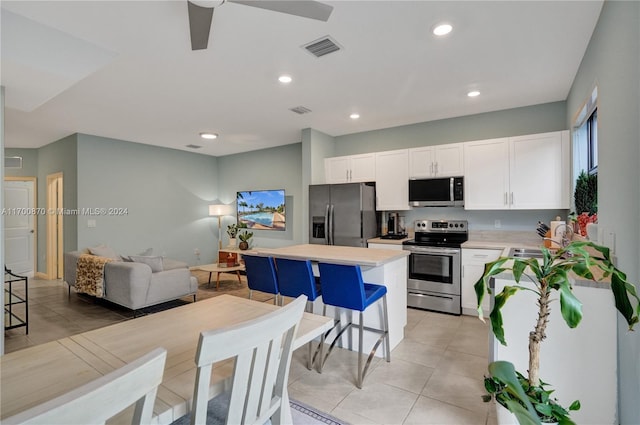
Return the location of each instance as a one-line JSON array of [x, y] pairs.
[[166, 194], [510, 122], [612, 62], [275, 168], [58, 157], [29, 162]]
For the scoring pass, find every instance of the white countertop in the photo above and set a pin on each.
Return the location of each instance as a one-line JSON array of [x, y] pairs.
[[336, 254], [388, 241]]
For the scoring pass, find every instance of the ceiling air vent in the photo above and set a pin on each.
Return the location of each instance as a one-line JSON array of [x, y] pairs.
[[322, 47], [300, 110], [194, 146]]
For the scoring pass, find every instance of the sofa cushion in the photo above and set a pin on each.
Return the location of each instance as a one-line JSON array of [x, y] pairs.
[[155, 262], [104, 251], [169, 264]]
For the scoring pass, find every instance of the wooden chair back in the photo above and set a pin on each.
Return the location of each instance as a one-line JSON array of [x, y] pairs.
[[262, 350], [97, 401]]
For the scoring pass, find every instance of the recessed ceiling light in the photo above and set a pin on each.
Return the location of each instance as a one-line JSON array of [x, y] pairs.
[[442, 29], [209, 136], [285, 79], [473, 93], [354, 116]]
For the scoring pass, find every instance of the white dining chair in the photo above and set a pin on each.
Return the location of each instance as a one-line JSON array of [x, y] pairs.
[[103, 398], [262, 350]]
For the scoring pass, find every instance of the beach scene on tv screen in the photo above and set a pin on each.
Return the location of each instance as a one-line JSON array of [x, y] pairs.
[[262, 209]]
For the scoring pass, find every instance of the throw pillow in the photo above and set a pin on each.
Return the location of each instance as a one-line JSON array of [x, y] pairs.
[[147, 252], [154, 262], [104, 251]]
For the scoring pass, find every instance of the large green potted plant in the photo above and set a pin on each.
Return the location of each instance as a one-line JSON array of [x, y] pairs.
[[526, 396]]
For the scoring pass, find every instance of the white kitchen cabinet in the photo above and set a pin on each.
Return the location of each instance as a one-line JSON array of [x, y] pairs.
[[473, 261], [524, 172], [539, 167], [350, 169], [392, 180], [437, 161], [486, 169]]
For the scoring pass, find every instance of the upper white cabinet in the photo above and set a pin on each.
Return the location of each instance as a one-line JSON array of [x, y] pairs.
[[392, 180], [539, 168], [437, 161], [352, 168], [524, 172]]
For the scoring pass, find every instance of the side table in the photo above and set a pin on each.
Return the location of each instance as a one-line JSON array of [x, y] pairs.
[[220, 268]]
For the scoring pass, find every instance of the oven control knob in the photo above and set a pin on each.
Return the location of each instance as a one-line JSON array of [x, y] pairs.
[[461, 225], [456, 224], [450, 224]]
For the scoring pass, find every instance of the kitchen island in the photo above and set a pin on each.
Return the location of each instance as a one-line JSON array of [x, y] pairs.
[[380, 266]]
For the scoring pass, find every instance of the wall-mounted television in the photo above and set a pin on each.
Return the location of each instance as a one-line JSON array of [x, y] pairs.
[[261, 209]]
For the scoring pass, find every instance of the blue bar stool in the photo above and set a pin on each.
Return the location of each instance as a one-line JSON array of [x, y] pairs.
[[343, 287], [261, 275], [295, 278]]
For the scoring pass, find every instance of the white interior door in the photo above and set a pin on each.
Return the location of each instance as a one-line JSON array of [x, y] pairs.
[[19, 226]]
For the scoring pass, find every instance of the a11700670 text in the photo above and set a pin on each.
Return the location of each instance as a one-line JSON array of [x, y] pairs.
[[116, 211]]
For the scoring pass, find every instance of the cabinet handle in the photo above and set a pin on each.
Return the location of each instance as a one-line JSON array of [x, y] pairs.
[[480, 255], [431, 168], [506, 201], [436, 173], [347, 176], [350, 175], [511, 198]]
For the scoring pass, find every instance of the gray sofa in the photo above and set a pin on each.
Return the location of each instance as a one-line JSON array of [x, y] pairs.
[[133, 285]]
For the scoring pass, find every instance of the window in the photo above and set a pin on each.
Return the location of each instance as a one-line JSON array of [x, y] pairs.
[[592, 143], [585, 137]]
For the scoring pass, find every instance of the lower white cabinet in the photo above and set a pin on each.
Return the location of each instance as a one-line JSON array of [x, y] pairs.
[[473, 261]]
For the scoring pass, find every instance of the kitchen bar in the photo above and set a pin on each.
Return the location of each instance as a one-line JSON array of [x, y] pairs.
[[380, 266]]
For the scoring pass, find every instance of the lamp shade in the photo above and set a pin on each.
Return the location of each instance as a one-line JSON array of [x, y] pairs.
[[220, 210]]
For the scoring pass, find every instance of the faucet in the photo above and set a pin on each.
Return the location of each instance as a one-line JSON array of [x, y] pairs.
[[567, 235]]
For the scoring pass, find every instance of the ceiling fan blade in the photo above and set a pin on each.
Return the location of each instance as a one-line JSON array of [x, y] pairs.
[[305, 8], [199, 25]]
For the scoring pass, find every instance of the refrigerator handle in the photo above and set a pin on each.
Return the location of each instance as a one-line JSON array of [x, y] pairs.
[[331, 217], [326, 225]]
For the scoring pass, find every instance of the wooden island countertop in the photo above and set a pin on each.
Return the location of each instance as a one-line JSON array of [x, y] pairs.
[[365, 257]]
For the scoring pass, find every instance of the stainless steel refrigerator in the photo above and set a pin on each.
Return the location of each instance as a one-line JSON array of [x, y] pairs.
[[342, 214]]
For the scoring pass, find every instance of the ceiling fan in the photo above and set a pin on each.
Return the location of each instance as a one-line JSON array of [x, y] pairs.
[[201, 14]]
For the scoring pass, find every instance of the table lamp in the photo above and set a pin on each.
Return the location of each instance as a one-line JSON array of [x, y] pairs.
[[220, 210]]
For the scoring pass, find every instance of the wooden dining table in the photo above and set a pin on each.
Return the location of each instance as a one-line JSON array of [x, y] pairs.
[[33, 375]]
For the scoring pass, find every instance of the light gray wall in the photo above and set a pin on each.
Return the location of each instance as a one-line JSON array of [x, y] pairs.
[[512, 122], [59, 156], [29, 163], [612, 61], [166, 193], [276, 168], [2, 204]]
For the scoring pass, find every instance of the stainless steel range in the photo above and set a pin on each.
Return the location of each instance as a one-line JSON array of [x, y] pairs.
[[434, 265]]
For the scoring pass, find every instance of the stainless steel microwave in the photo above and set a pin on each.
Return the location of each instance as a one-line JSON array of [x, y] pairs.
[[437, 192]]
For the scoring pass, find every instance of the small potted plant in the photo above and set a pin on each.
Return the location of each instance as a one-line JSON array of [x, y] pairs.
[[528, 397], [232, 231], [244, 239]]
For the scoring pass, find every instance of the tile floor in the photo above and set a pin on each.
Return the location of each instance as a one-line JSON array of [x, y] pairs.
[[435, 375]]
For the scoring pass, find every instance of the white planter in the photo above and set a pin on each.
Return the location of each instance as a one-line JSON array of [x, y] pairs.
[[232, 243]]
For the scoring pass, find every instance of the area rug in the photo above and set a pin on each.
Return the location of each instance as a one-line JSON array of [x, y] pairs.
[[303, 414]]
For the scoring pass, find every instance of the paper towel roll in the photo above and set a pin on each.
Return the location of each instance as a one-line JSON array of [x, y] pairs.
[[558, 227]]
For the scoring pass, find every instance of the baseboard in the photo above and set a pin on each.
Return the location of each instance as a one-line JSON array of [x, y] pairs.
[[40, 275]]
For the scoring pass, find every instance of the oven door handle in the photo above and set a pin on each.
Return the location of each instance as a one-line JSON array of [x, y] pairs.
[[436, 251]]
